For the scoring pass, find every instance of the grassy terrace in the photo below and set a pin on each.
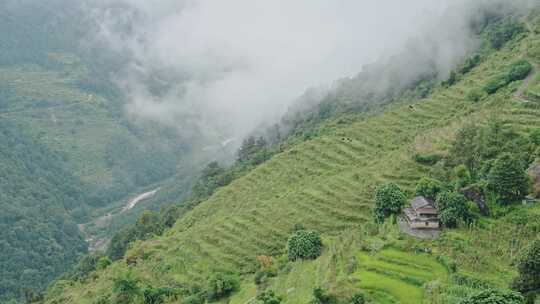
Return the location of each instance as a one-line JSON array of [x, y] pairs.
[[327, 184]]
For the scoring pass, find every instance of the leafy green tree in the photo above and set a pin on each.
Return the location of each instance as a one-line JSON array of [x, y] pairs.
[[463, 176], [528, 265], [494, 296], [428, 187], [507, 178], [464, 148], [452, 208], [222, 284], [389, 200], [269, 297], [304, 244]]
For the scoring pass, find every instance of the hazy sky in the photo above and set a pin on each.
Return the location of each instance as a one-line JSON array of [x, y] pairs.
[[227, 65]]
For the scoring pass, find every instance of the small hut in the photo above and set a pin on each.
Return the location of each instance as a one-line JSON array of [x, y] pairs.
[[422, 214]]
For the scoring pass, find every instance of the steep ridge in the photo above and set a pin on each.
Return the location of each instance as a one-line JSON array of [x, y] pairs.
[[326, 184]]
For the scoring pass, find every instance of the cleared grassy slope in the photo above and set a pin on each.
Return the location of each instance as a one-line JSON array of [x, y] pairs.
[[325, 184]]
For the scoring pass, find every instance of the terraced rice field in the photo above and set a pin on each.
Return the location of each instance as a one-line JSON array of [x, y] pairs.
[[326, 184], [393, 276]]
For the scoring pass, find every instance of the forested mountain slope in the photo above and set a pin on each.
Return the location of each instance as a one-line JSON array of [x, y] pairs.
[[68, 151], [327, 184]]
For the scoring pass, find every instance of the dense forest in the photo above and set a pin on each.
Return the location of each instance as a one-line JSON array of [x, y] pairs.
[[39, 237]]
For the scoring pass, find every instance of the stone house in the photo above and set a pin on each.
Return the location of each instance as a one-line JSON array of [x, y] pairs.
[[422, 214]]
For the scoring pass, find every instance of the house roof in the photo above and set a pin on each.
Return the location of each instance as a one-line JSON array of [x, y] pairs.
[[421, 202]]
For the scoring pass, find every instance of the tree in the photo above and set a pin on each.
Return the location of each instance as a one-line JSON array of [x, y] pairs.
[[528, 265], [507, 178], [389, 199], [222, 284], [452, 208], [304, 244], [494, 296], [428, 187], [463, 150]]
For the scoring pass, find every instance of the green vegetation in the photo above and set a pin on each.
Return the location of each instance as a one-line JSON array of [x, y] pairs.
[[389, 200], [517, 71], [452, 208], [428, 187], [507, 178], [326, 181], [304, 245], [528, 280], [393, 276], [494, 297]]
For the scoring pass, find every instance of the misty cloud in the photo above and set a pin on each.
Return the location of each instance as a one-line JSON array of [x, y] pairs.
[[223, 67]]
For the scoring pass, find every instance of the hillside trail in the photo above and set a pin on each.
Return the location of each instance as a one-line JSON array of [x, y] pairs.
[[95, 242], [520, 93]]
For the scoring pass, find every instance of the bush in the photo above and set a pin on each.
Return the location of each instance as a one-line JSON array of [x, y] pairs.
[[452, 208], [389, 200], [507, 178], [528, 266], [519, 70], [222, 284], [358, 298], [427, 159], [304, 245], [269, 297], [321, 296], [463, 176], [494, 296], [428, 187], [126, 289], [475, 95], [156, 295]]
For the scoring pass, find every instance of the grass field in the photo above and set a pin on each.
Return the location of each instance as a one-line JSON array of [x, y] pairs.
[[327, 184], [393, 276]]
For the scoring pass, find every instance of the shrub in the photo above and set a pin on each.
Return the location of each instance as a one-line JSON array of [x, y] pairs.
[[126, 289], [470, 64], [496, 84], [519, 70], [304, 245], [269, 297], [528, 266], [494, 296], [389, 199], [507, 178], [452, 208], [463, 176], [535, 137], [222, 284], [103, 263], [427, 159], [475, 95], [358, 298], [428, 187], [321, 296], [153, 295]]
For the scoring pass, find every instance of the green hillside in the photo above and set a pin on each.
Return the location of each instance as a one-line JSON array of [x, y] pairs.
[[327, 184]]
